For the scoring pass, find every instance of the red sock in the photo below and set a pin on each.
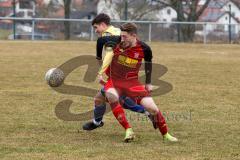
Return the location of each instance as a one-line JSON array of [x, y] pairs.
[[161, 123], [119, 114]]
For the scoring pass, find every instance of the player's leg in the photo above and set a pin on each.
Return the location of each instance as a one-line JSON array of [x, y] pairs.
[[118, 112], [113, 99], [150, 106], [100, 107], [99, 110], [129, 103]]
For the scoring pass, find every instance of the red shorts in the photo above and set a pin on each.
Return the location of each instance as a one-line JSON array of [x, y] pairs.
[[130, 88]]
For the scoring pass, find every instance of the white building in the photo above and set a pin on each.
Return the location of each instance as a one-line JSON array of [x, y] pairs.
[[235, 10], [167, 14], [25, 13], [218, 12], [224, 19]]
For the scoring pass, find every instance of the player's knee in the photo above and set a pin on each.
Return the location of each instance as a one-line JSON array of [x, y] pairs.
[[112, 99], [112, 96], [155, 111]]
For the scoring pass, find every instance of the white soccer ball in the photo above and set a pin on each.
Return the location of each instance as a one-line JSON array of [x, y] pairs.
[[54, 77]]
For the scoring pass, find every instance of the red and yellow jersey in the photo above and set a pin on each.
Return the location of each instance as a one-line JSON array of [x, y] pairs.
[[126, 64]]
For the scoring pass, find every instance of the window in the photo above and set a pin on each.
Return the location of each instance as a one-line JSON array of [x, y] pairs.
[[24, 4], [30, 14], [220, 27]]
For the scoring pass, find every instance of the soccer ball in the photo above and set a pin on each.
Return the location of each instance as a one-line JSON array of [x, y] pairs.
[[54, 77]]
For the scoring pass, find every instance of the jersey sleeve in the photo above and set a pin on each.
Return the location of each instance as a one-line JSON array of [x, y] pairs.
[[148, 62], [147, 53], [107, 60], [107, 41]]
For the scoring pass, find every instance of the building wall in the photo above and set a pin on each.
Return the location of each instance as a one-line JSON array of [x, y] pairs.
[[225, 19], [224, 28], [234, 9], [167, 14]]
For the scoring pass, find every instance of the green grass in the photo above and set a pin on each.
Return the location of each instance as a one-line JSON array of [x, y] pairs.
[[205, 81]]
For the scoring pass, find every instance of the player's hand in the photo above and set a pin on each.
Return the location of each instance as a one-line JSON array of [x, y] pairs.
[[101, 80], [149, 87]]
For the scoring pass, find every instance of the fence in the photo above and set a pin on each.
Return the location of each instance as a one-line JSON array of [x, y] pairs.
[[80, 29]]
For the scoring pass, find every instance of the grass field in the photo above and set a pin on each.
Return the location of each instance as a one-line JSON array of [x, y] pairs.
[[202, 110]]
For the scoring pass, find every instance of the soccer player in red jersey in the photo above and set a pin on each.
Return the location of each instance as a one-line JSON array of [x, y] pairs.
[[109, 35], [123, 77]]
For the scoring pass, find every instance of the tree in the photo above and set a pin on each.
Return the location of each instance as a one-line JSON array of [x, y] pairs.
[[54, 5], [187, 11], [108, 7], [136, 10], [67, 12]]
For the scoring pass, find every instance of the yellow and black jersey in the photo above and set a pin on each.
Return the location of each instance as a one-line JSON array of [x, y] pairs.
[[109, 38], [111, 31]]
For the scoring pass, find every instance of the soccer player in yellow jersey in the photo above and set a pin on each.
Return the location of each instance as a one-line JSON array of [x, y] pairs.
[[103, 28]]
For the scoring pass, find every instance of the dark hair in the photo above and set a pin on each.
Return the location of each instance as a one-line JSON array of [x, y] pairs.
[[129, 27], [102, 17]]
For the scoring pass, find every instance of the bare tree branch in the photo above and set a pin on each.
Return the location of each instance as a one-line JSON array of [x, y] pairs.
[[199, 13]]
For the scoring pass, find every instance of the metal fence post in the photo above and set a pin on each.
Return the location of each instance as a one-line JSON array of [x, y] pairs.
[[205, 33], [33, 30], [14, 21], [33, 20], [150, 32], [230, 26], [91, 35]]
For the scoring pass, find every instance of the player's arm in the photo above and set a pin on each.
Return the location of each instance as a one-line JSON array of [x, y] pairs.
[[105, 64], [107, 59], [101, 41], [110, 43], [148, 65]]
